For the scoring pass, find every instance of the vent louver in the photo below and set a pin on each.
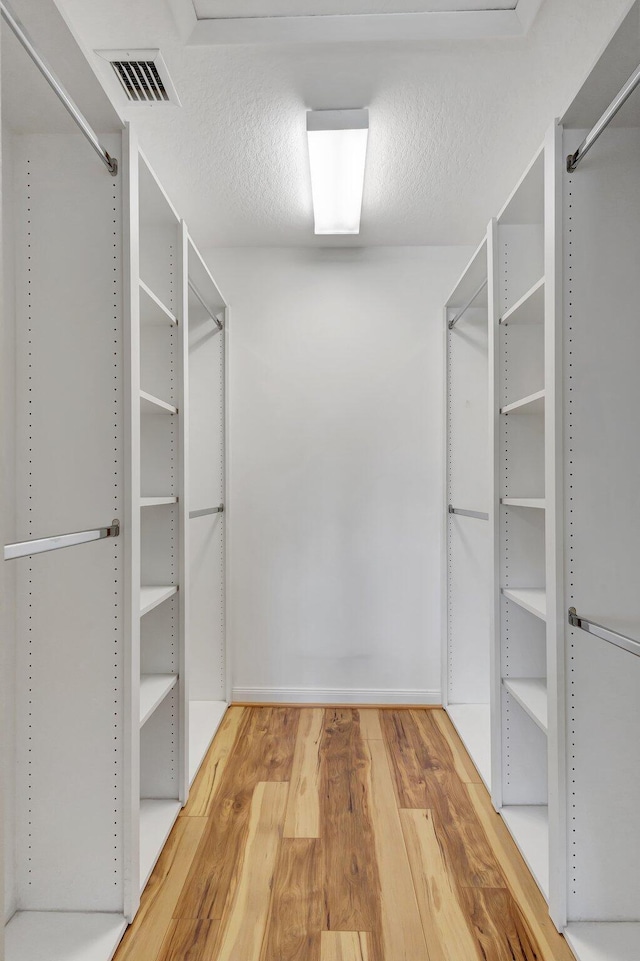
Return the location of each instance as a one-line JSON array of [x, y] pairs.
[[143, 75]]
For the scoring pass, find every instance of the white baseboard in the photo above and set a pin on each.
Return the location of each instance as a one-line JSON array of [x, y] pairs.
[[315, 695]]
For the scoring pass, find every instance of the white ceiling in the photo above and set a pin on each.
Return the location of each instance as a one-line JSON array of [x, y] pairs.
[[452, 123], [207, 9]]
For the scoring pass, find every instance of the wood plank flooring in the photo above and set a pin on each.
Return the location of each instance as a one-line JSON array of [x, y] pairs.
[[340, 834]]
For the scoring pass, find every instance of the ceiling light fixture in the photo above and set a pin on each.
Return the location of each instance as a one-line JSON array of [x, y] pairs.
[[337, 153]]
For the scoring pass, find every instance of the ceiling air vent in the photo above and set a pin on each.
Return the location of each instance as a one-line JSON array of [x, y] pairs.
[[143, 75]]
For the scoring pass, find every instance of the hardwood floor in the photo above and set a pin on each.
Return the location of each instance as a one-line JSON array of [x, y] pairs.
[[340, 834]]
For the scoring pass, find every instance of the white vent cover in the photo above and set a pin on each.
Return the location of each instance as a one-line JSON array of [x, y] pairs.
[[143, 75]]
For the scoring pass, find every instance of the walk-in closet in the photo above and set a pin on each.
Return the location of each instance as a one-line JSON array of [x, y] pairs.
[[320, 617]]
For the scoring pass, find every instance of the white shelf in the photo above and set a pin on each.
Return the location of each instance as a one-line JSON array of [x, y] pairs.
[[156, 210], [526, 202], [153, 405], [153, 690], [150, 597], [539, 503], [473, 724], [529, 309], [63, 936], [532, 404], [531, 599], [205, 718], [157, 501], [153, 311], [604, 940], [472, 276], [156, 820], [531, 695], [529, 827]]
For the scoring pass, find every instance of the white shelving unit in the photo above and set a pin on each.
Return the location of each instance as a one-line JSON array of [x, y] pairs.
[[531, 695], [157, 817], [531, 599], [529, 825], [532, 404], [153, 690]]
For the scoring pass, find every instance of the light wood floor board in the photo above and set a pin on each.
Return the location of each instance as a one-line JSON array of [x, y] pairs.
[[210, 774], [345, 946], [443, 920], [143, 939], [303, 808], [465, 768], [244, 924], [384, 880]]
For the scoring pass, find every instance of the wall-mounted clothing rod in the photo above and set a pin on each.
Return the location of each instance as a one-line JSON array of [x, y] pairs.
[[481, 515], [55, 543], [196, 293], [574, 158], [468, 304], [17, 28], [612, 637], [207, 510]]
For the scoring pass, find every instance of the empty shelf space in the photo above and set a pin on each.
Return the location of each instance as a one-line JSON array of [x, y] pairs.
[[205, 718], [153, 311], [529, 309], [153, 405], [473, 724], [531, 695], [150, 597], [156, 820], [157, 501], [532, 599], [529, 827], [604, 940], [538, 503], [153, 690], [532, 404], [61, 935]]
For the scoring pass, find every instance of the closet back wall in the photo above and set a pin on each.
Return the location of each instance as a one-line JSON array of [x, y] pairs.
[[336, 471]]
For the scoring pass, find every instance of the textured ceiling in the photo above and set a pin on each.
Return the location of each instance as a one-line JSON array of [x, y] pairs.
[[268, 8], [452, 124]]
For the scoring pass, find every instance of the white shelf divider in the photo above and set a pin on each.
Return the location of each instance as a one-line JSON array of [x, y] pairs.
[[532, 599], [604, 940], [531, 695], [157, 501], [153, 690], [62, 935], [529, 827], [473, 724], [150, 597], [157, 817], [538, 503], [153, 311], [205, 717], [153, 405], [529, 309], [532, 404]]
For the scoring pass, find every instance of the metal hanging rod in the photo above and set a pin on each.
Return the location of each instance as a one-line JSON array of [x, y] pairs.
[[481, 515], [58, 541], [196, 293], [468, 304], [207, 510], [12, 21], [574, 158], [612, 637]]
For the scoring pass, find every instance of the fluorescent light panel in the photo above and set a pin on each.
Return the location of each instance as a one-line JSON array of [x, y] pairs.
[[337, 154]]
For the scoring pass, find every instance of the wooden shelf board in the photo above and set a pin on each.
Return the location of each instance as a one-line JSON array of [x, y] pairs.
[[157, 501], [150, 597], [529, 827], [205, 718], [152, 311], [529, 309], [473, 724], [532, 599], [539, 503], [153, 405], [156, 820], [604, 940], [531, 695], [61, 935], [153, 690], [531, 404]]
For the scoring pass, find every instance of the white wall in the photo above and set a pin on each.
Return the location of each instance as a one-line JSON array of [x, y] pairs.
[[336, 425]]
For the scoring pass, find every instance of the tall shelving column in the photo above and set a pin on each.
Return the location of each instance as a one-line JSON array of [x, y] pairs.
[[466, 657], [159, 584]]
